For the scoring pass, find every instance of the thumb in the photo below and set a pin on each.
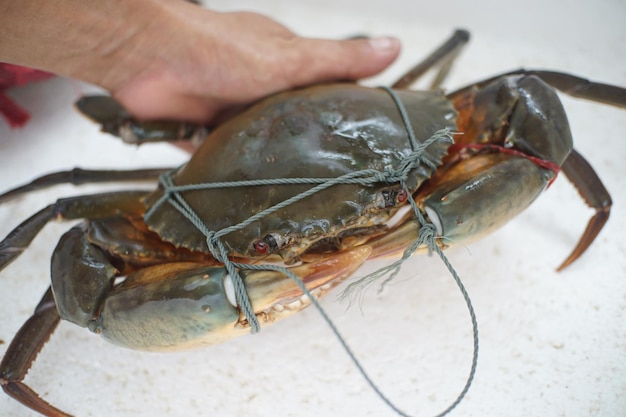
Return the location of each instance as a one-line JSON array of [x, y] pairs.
[[326, 60]]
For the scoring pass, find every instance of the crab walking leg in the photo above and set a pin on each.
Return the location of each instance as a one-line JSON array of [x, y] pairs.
[[23, 351], [590, 187], [78, 176], [443, 57], [90, 206], [569, 84], [582, 88]]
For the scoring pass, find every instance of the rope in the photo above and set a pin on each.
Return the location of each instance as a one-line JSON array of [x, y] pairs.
[[426, 236]]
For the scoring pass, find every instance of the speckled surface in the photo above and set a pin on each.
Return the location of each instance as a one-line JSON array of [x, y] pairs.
[[551, 343]]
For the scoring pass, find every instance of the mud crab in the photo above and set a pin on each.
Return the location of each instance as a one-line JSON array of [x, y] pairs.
[[153, 284]]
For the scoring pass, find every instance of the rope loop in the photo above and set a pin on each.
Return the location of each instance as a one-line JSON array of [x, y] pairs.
[[427, 235]]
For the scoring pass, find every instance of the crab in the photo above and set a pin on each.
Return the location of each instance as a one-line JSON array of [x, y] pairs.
[[154, 279]]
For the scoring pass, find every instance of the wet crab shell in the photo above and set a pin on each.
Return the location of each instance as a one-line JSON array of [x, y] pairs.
[[320, 132]]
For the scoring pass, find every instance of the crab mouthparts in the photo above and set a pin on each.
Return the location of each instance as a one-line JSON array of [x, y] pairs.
[[275, 296]]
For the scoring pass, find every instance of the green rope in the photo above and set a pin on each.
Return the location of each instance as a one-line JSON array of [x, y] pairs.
[[426, 235]]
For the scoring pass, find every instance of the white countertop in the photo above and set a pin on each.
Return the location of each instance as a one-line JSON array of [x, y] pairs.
[[551, 344]]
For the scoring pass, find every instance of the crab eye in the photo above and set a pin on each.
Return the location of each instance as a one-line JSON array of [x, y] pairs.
[[265, 245], [392, 198], [261, 247]]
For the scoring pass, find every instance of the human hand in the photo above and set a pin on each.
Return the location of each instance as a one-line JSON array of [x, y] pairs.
[[165, 59], [195, 64]]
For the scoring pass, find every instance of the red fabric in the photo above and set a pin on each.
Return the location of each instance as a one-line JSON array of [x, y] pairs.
[[13, 76]]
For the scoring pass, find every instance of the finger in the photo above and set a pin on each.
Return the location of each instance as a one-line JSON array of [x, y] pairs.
[[153, 101], [325, 60]]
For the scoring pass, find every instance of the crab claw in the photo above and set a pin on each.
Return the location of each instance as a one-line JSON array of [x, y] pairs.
[[187, 305]]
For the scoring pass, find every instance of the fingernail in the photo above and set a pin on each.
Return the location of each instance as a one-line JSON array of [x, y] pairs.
[[384, 43]]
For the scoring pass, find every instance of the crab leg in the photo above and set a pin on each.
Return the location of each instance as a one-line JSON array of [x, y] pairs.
[[443, 56], [91, 206], [78, 176], [591, 189], [569, 84], [23, 351]]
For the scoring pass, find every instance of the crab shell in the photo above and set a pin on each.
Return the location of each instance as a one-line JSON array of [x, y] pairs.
[[316, 132]]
